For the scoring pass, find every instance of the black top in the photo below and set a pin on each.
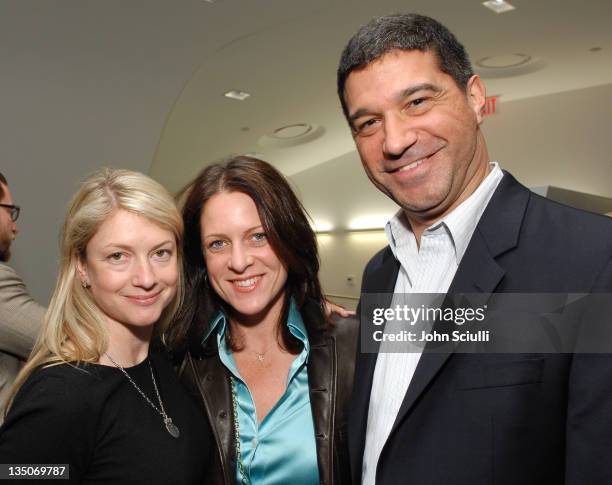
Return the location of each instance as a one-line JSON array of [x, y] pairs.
[[92, 418]]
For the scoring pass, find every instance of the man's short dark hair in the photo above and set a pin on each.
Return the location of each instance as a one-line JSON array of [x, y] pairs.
[[3, 182], [406, 32]]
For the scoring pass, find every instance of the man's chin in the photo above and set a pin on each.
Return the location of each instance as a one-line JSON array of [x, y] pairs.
[[426, 204], [423, 207]]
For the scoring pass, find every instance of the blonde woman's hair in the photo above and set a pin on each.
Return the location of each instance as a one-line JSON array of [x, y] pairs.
[[74, 328]]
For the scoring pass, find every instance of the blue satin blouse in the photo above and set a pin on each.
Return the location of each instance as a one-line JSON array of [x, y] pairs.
[[282, 448]]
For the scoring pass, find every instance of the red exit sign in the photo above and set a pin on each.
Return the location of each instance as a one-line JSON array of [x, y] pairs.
[[491, 104]]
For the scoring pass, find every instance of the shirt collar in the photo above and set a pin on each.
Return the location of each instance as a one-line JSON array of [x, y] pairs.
[[217, 324], [460, 223], [295, 323]]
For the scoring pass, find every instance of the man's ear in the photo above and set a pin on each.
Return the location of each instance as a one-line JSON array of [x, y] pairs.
[[477, 96]]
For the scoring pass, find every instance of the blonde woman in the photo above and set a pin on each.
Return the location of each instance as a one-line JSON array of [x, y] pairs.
[[93, 395]]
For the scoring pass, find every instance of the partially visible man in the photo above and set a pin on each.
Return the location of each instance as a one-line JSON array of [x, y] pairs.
[[414, 107], [20, 316]]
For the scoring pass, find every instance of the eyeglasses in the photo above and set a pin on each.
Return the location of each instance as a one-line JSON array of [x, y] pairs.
[[14, 210]]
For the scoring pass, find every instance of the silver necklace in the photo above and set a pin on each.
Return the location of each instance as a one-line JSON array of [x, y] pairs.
[[170, 426], [260, 355]]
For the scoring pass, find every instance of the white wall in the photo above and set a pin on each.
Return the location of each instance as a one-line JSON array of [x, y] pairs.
[[82, 87], [561, 139], [345, 255]]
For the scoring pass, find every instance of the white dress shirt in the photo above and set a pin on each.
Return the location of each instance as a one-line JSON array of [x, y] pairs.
[[429, 268]]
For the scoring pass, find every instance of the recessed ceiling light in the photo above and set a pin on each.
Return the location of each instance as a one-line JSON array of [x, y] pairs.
[[292, 131], [498, 6], [235, 94], [508, 65], [291, 135], [503, 61], [595, 49]]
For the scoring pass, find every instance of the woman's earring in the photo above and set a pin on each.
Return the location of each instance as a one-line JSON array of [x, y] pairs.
[[85, 284]]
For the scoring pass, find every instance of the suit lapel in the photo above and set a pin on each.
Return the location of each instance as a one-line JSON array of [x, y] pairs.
[[481, 278], [380, 281], [478, 274]]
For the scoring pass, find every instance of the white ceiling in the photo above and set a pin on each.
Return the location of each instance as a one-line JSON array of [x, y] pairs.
[[288, 65], [152, 72]]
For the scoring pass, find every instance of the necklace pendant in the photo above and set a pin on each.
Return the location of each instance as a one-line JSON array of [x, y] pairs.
[[172, 428], [260, 357]]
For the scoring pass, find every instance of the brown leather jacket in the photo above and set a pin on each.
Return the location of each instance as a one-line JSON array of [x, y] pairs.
[[331, 365]]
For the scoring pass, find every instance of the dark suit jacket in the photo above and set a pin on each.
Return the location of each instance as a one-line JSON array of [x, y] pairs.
[[514, 419]]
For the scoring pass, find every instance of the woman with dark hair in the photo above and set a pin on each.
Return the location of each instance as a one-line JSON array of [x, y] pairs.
[[253, 328]]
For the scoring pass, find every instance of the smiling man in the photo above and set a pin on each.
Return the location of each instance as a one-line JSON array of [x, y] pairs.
[[20, 316], [414, 107], [417, 132]]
